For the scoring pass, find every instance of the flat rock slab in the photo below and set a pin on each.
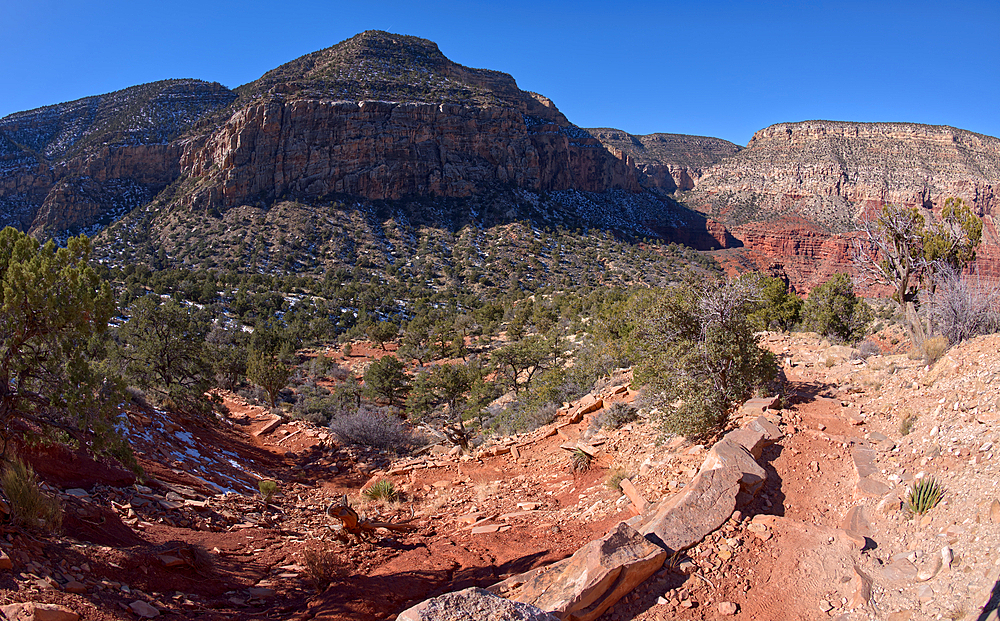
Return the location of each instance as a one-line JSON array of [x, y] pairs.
[[584, 586], [703, 506], [864, 462], [473, 604], [30, 611]]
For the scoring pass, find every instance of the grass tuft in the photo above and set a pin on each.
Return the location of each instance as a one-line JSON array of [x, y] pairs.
[[29, 506], [615, 478]]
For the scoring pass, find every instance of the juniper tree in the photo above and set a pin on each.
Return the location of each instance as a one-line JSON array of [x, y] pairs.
[[51, 304]]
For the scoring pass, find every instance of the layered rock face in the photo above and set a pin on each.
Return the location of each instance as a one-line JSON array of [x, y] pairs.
[[71, 166], [798, 188], [384, 150], [667, 162], [384, 116]]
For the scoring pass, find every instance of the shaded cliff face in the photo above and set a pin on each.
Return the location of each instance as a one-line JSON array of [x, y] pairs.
[[667, 162], [79, 165], [826, 174]]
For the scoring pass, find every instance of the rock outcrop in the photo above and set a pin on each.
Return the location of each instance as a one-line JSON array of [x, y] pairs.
[[797, 189], [377, 150], [667, 162]]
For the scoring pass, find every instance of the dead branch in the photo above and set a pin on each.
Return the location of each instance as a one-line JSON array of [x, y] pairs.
[[358, 526]]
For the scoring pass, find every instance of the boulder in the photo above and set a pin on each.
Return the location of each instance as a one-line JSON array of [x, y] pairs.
[[584, 586], [727, 454], [473, 604], [703, 506]]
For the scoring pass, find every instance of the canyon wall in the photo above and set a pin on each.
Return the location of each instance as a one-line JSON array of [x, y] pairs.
[[794, 194], [667, 162]]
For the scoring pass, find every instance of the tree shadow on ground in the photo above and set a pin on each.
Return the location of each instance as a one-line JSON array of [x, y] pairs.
[[368, 597]]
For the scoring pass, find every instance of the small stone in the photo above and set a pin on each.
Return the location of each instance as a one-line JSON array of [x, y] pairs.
[[74, 586], [925, 593], [725, 555], [261, 592], [825, 606], [7, 564], [947, 556], [727, 608], [143, 609]]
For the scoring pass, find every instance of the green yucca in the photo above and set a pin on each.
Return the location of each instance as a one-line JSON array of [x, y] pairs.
[[382, 489], [924, 496]]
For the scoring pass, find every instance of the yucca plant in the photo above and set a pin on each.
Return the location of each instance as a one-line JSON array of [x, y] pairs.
[[924, 496], [383, 489], [579, 460]]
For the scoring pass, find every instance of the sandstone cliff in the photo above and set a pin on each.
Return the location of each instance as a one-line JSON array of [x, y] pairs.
[[797, 189], [668, 162], [384, 116]]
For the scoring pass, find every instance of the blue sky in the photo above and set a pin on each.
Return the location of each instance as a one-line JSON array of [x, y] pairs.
[[712, 68]]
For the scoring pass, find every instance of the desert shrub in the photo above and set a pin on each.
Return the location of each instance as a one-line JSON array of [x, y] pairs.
[[614, 416], [29, 506], [695, 347], [375, 428], [778, 308], [322, 565], [933, 348], [316, 405], [267, 489], [867, 349], [833, 309], [383, 489], [963, 307], [924, 496], [521, 416]]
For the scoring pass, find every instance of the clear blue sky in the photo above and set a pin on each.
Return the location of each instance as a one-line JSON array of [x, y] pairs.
[[713, 68]]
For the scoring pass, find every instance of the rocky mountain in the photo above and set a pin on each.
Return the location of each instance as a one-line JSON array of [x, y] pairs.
[[79, 165], [381, 123], [383, 128], [667, 162], [793, 195]]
